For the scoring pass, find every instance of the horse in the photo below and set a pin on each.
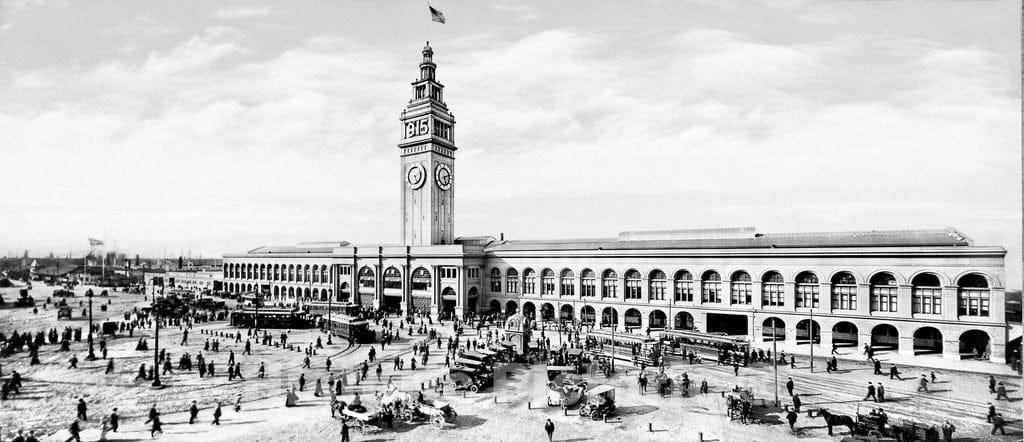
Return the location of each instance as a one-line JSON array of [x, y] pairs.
[[837, 419]]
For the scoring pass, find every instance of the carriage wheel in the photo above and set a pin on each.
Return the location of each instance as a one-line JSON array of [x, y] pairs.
[[874, 433], [474, 388], [550, 404], [438, 422]]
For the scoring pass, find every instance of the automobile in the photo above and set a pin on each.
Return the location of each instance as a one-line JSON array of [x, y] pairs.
[[469, 378], [600, 402]]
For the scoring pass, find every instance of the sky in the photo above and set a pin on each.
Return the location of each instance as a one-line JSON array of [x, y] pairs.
[[165, 128]]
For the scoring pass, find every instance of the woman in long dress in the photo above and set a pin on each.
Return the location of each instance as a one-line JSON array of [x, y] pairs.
[[319, 391], [104, 427]]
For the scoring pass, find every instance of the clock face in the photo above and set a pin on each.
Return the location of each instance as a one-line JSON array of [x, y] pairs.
[[443, 176], [416, 176]]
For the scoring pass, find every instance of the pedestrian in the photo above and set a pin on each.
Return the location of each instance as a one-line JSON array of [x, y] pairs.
[[791, 417], [262, 371], [923, 385], [947, 431], [835, 349], [797, 402], [238, 371], [789, 386], [871, 393], [878, 366], [735, 368], [792, 361], [933, 377], [894, 373], [318, 390], [991, 384], [81, 409], [193, 412], [305, 362], [76, 432], [110, 366], [328, 364], [114, 420], [379, 371], [1001, 392], [302, 382], [344, 431], [997, 424], [73, 361], [549, 427], [104, 428], [238, 403], [216, 415], [881, 393], [991, 413]]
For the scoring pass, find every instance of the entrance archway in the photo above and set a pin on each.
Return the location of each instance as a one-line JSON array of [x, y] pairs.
[[547, 312], [511, 308], [529, 310], [495, 306], [657, 319], [844, 334], [684, 321], [885, 335], [735, 325], [609, 317], [343, 293], [448, 302], [392, 303], [565, 313], [974, 344], [633, 318], [773, 329], [588, 315], [927, 340], [802, 332]]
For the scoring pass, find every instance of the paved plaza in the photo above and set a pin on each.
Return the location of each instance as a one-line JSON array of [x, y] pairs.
[[47, 401]]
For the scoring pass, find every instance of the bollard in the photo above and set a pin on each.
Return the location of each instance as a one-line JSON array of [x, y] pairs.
[[650, 427], [528, 405], [700, 436], [421, 386], [606, 418], [463, 394], [495, 399], [809, 413], [565, 411]]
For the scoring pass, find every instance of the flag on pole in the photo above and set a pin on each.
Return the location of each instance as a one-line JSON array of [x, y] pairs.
[[95, 242], [436, 15]]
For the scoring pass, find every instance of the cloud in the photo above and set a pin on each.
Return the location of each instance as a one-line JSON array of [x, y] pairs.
[[243, 12], [520, 12], [131, 32]]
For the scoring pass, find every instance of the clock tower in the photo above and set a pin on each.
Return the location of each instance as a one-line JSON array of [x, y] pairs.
[[428, 162]]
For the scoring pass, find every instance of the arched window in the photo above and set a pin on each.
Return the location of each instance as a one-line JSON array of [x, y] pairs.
[[291, 273], [366, 278], [772, 293], [308, 276], [926, 294], [633, 285], [739, 291], [298, 278], [711, 287], [392, 278], [567, 287], [547, 282], [529, 282], [683, 283], [512, 281], [325, 274], [883, 293], [807, 290], [609, 284], [657, 285], [421, 279], [316, 274], [277, 272], [263, 271], [588, 283], [844, 291], [495, 280], [973, 295]]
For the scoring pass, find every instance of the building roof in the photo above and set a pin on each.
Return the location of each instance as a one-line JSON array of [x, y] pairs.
[[744, 238], [305, 247], [58, 270]]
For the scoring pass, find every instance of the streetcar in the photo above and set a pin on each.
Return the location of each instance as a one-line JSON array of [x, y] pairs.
[[269, 318], [350, 327]]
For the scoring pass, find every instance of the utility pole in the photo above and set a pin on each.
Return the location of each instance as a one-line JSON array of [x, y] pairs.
[[775, 359]]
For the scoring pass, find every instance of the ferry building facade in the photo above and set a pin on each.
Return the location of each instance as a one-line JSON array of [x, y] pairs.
[[915, 291]]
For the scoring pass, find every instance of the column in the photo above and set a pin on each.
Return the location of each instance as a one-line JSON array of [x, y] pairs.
[[789, 292], [863, 301], [435, 285], [949, 304], [825, 304], [904, 301], [406, 304], [378, 286], [951, 347], [726, 292], [755, 293], [906, 346], [460, 292]]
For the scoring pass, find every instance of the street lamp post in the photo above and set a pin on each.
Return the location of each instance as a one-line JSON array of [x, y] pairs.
[[92, 354], [156, 346], [330, 303], [775, 359], [810, 334]]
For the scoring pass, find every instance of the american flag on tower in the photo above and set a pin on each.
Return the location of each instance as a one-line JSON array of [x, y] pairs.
[[436, 15]]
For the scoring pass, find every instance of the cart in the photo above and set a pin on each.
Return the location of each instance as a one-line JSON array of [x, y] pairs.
[[361, 420], [565, 394], [600, 402], [439, 413]]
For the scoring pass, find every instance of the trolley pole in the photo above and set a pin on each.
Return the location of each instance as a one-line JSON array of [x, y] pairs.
[[810, 334]]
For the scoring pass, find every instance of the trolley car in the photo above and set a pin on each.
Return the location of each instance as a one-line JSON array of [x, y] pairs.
[[351, 327], [269, 318]]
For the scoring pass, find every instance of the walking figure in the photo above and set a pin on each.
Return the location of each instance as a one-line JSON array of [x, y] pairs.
[[216, 415], [1001, 392], [549, 427], [871, 393], [193, 412], [923, 385]]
